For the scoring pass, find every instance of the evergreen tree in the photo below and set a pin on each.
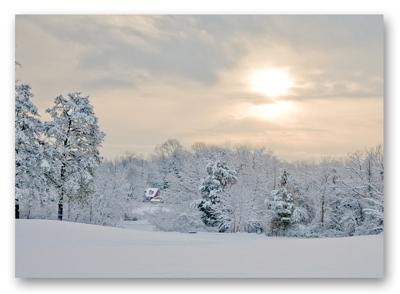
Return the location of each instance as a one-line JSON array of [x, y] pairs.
[[219, 177], [280, 207], [75, 137]]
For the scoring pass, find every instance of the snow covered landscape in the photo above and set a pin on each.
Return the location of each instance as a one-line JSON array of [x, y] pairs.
[[199, 146], [51, 249]]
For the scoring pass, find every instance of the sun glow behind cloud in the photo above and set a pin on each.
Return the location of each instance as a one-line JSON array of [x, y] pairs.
[[279, 111]]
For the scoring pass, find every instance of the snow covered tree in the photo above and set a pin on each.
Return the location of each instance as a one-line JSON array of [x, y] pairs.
[[29, 181], [299, 188], [280, 207], [254, 170], [366, 186], [169, 156], [75, 137], [108, 204], [330, 206], [212, 188]]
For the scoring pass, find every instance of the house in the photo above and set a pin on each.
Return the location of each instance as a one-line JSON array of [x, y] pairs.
[[152, 195]]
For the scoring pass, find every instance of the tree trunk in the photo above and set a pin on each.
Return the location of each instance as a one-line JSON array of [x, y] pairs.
[[369, 177], [16, 210], [323, 202], [91, 212], [62, 175], [69, 209], [322, 210], [60, 209], [61, 201]]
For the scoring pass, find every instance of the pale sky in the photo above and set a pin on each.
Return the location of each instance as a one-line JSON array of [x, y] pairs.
[[303, 86]]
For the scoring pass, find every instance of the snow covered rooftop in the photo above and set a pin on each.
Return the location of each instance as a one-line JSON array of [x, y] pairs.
[[151, 192]]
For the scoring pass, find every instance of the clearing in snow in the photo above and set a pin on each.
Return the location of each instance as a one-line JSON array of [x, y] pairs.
[[54, 249]]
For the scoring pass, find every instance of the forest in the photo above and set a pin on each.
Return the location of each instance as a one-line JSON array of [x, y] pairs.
[[60, 174]]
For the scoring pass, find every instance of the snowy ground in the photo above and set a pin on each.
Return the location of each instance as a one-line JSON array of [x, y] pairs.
[[139, 225], [61, 249]]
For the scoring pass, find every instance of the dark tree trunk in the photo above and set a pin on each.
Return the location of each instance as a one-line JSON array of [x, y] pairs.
[[61, 200], [60, 211], [369, 174], [69, 209], [63, 175], [90, 212], [17, 211], [323, 210]]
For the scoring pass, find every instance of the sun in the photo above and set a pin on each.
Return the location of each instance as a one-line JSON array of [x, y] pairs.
[[270, 82]]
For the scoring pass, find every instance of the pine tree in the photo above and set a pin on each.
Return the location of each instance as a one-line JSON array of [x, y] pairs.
[[219, 177], [75, 137], [29, 181], [280, 207]]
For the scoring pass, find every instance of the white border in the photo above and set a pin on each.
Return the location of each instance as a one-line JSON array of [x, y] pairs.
[[390, 10]]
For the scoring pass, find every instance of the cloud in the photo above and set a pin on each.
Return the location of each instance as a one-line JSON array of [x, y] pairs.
[[162, 46], [346, 49], [151, 78]]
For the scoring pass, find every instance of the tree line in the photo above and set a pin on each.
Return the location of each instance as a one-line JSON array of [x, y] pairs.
[[204, 187]]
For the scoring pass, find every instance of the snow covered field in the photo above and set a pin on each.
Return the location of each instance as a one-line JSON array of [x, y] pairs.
[[52, 249]]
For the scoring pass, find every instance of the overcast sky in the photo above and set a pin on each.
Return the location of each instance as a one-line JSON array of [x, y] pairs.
[[152, 78]]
